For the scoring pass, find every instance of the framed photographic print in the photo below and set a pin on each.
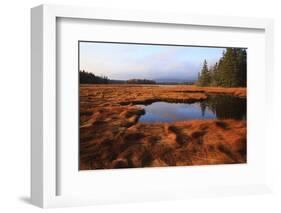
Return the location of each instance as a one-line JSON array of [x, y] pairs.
[[149, 106]]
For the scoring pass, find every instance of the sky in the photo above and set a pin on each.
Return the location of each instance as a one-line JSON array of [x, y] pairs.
[[121, 61]]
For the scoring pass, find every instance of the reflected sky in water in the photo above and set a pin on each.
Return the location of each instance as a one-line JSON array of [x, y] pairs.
[[169, 112], [215, 107]]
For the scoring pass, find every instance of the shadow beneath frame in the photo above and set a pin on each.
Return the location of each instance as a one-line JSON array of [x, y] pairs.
[[26, 200]]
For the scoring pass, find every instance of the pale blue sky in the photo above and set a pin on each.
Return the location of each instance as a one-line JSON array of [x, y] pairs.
[[126, 61]]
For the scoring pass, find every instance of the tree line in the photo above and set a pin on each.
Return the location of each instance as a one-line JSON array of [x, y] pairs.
[[229, 71], [90, 78], [140, 81]]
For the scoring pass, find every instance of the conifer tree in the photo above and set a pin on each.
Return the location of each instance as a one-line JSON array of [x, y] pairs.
[[229, 71], [205, 76]]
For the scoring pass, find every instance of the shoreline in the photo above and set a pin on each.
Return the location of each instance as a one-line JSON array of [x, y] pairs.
[[112, 137]]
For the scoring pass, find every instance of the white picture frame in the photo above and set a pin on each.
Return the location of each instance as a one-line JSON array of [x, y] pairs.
[[44, 155]]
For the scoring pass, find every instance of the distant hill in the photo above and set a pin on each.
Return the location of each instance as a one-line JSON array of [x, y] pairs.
[[111, 81], [90, 78], [175, 81], [140, 81]]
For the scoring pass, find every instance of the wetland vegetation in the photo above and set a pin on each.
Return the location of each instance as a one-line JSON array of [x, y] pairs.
[[143, 119]]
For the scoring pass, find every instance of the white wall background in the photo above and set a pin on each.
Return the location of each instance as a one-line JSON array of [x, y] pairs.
[[15, 104]]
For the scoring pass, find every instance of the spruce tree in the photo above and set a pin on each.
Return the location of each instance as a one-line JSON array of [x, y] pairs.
[[241, 67], [205, 76], [229, 71]]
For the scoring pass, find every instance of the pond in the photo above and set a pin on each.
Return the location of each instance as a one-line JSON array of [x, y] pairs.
[[214, 107]]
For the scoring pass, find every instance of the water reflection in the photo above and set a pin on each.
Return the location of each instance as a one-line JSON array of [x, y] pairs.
[[226, 106], [216, 106]]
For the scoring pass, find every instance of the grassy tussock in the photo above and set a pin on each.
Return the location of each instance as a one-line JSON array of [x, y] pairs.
[[111, 136]]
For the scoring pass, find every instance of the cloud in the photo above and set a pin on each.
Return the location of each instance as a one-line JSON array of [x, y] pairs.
[[125, 61]]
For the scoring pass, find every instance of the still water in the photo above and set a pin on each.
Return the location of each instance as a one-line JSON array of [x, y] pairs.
[[215, 107]]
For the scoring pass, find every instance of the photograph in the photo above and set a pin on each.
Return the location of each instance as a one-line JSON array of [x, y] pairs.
[[161, 105]]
